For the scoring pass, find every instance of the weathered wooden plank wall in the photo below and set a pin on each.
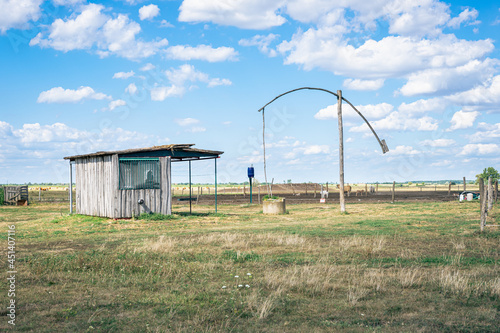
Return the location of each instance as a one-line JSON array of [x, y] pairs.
[[166, 185], [98, 193], [94, 190]]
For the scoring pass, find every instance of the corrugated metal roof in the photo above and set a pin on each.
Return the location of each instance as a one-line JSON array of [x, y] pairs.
[[183, 152]]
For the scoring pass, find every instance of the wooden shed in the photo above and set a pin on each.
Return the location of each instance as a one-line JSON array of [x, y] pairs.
[[126, 183]]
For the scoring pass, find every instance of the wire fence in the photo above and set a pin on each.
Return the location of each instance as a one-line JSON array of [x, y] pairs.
[[61, 193]]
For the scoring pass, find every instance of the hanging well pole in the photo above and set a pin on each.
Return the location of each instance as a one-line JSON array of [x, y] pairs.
[[382, 143], [341, 151]]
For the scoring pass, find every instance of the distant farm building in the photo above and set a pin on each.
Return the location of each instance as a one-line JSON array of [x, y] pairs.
[[126, 183]]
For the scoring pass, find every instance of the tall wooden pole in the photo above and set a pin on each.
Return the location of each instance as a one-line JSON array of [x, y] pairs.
[[341, 151], [464, 185]]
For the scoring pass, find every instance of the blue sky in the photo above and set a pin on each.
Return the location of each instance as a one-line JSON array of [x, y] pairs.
[[79, 77]]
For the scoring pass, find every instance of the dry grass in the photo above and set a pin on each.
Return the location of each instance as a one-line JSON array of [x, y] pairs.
[[383, 267]]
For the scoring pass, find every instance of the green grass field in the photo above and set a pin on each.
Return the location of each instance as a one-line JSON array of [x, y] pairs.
[[404, 267]]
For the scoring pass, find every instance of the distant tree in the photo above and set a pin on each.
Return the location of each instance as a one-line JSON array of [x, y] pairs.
[[289, 181], [488, 172], [410, 183]]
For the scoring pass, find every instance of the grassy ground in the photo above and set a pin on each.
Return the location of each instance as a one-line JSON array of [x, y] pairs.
[[404, 267]]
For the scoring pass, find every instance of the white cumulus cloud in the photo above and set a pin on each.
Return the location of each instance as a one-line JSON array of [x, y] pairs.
[[201, 52], [357, 84], [468, 15], [18, 13], [403, 150], [370, 111], [147, 67], [123, 75], [461, 120], [61, 95], [183, 78], [257, 14], [262, 43], [412, 18], [477, 149], [148, 12], [114, 104], [93, 30], [392, 56], [397, 121], [487, 132], [486, 95], [131, 89], [187, 121], [438, 143], [449, 79]]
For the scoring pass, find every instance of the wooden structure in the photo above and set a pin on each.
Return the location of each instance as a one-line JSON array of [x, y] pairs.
[[126, 183], [16, 195]]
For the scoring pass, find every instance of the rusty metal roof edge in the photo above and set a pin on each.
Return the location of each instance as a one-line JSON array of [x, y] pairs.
[[175, 147]]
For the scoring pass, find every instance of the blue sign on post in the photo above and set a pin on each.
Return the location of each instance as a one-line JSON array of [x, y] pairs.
[[251, 175], [251, 172]]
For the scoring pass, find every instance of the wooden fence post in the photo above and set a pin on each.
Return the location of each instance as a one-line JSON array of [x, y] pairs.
[[483, 200], [366, 189], [315, 190], [259, 193], [464, 185], [393, 190], [449, 188], [481, 190], [490, 194], [496, 191], [306, 188]]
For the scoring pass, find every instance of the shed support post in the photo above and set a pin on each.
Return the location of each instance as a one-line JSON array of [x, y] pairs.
[[215, 185], [70, 188], [190, 209]]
